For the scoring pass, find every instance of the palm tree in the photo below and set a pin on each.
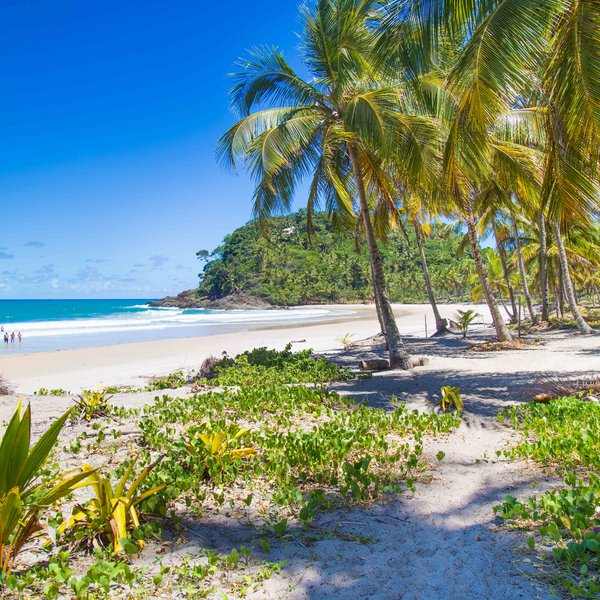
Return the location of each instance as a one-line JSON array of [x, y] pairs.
[[503, 45], [583, 327], [522, 271], [543, 264], [440, 323], [338, 128], [495, 277], [418, 213]]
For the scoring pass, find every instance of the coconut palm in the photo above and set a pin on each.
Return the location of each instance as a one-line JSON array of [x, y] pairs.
[[337, 127], [506, 48], [519, 256], [418, 213]]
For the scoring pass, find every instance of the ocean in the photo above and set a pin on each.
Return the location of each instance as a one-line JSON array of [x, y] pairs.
[[62, 324]]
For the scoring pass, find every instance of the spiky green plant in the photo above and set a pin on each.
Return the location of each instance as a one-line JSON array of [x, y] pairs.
[[23, 491]]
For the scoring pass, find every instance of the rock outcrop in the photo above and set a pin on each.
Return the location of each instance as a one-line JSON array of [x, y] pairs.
[[190, 299], [187, 299]]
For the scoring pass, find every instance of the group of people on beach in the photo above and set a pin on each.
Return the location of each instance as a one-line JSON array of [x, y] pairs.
[[12, 337]]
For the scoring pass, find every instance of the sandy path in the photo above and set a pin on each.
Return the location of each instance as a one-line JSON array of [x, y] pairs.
[[439, 543]]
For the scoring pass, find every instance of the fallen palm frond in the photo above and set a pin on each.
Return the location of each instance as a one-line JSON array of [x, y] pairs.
[[548, 388]]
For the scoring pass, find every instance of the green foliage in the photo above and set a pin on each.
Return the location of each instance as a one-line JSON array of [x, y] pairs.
[[451, 398], [92, 404], [294, 269], [24, 492], [111, 516], [349, 453], [172, 381], [564, 435], [56, 579], [263, 366], [463, 319], [52, 392]]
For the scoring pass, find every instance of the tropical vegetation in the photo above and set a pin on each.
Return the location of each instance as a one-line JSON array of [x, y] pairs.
[[485, 112], [267, 446], [564, 436], [284, 265]]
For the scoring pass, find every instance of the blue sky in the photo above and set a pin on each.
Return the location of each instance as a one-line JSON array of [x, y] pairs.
[[109, 116]]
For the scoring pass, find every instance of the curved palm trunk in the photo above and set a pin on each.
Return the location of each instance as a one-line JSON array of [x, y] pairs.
[[502, 332], [526, 293], [378, 306], [543, 265], [559, 295], [440, 324], [399, 357], [511, 291], [583, 327]]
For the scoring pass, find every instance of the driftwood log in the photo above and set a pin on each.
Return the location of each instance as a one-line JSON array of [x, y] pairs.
[[381, 364]]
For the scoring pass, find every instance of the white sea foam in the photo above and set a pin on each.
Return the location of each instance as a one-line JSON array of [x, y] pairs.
[[161, 318]]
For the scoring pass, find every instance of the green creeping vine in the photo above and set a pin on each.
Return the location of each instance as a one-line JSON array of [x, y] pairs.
[[563, 435], [311, 448]]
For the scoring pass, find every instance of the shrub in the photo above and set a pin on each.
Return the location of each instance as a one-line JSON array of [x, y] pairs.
[[172, 381], [263, 366]]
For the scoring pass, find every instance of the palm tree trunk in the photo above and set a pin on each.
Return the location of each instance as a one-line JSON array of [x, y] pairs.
[[502, 332], [378, 310], [399, 358], [440, 324], [543, 265], [583, 327], [559, 295], [532, 313], [511, 291]]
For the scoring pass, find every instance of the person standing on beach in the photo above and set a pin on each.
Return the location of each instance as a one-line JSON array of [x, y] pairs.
[[12, 337], [6, 337], [19, 337]]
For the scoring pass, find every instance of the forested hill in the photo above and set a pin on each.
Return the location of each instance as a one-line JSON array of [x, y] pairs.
[[283, 266]]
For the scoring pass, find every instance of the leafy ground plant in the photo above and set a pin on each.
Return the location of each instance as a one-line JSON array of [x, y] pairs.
[[564, 436], [306, 449], [451, 398], [92, 404], [169, 382], [110, 518], [23, 493]]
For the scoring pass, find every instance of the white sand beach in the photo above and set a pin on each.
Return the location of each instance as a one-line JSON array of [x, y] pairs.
[[128, 364]]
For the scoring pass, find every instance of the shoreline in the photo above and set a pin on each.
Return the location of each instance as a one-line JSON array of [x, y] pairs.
[[132, 363]]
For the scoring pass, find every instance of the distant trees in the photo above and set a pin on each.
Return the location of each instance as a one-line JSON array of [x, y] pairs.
[[326, 266]]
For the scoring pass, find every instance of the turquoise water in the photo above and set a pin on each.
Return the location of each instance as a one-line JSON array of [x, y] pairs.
[[20, 311], [62, 324]]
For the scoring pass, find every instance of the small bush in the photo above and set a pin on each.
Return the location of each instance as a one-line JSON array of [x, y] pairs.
[[207, 368], [172, 381], [263, 366]]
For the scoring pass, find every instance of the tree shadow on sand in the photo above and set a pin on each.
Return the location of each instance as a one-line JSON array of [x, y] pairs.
[[384, 551]]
